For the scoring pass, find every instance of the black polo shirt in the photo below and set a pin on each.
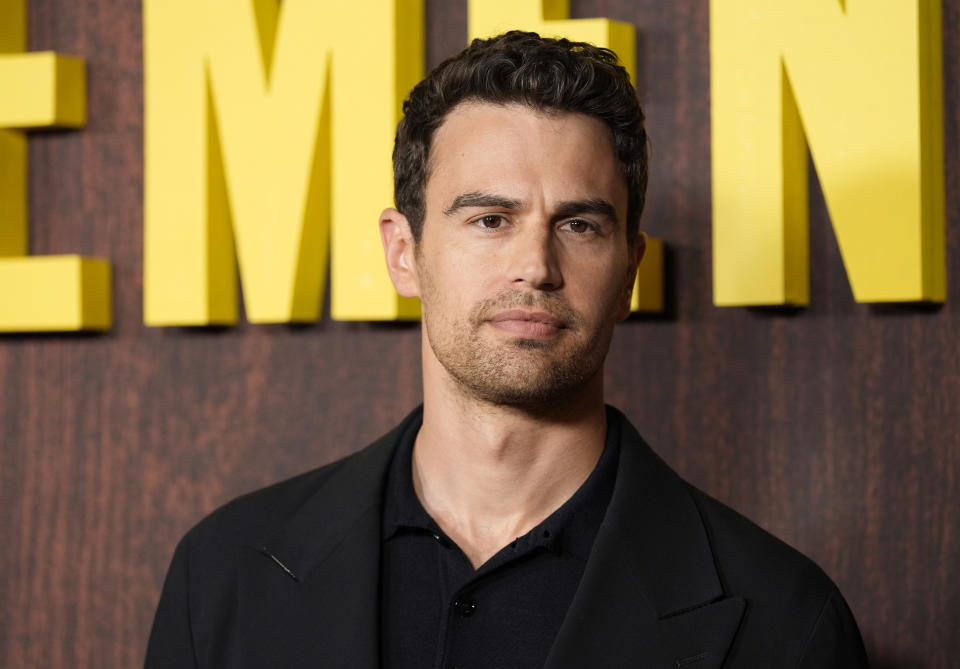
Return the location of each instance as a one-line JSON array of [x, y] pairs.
[[437, 611]]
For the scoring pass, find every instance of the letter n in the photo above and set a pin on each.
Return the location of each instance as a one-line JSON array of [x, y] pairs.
[[861, 81]]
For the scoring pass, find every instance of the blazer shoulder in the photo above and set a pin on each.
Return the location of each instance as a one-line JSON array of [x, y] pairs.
[[316, 497], [248, 518], [258, 510], [746, 552], [793, 606], [299, 518]]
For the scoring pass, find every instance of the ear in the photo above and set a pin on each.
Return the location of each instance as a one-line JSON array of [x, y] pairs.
[[636, 255], [399, 251]]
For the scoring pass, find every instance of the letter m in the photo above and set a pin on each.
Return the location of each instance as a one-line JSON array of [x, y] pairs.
[[268, 132], [861, 81]]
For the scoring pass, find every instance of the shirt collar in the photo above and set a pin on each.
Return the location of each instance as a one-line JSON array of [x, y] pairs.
[[571, 528]]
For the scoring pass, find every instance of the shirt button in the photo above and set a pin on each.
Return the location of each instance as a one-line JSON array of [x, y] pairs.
[[465, 607]]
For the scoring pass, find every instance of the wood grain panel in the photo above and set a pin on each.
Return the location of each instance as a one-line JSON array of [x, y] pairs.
[[834, 426]]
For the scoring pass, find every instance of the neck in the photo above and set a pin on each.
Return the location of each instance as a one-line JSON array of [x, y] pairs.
[[489, 473]]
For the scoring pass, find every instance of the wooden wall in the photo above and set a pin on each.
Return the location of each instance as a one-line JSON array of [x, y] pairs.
[[836, 426]]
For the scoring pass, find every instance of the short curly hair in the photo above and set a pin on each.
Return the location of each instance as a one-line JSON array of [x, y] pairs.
[[552, 75]]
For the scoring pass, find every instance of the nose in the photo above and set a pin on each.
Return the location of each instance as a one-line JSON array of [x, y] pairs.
[[534, 258]]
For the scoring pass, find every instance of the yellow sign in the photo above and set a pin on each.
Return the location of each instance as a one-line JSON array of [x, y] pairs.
[[268, 132], [861, 81], [39, 90], [268, 139], [551, 18]]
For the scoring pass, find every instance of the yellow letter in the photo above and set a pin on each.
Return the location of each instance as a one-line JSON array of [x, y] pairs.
[[861, 80], [648, 288], [550, 18], [258, 114], [39, 90]]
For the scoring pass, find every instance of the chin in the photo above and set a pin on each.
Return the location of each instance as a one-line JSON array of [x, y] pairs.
[[532, 343], [528, 386]]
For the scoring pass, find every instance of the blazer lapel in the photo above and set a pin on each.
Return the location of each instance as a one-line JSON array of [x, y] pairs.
[[650, 592], [309, 595]]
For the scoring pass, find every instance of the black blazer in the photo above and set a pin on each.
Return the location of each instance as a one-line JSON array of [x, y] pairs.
[[288, 577]]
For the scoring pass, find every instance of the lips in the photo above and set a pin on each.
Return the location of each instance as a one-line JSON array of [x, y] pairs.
[[528, 324]]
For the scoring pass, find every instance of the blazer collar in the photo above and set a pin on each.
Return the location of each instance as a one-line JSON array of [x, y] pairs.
[[349, 498], [666, 607], [310, 595]]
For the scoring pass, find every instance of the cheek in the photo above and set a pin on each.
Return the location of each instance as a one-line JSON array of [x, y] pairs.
[[468, 275], [601, 297], [446, 289]]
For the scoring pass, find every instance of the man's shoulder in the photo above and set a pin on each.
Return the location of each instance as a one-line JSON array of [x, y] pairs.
[[256, 512], [744, 554], [793, 613], [252, 517], [791, 602], [748, 556], [236, 553]]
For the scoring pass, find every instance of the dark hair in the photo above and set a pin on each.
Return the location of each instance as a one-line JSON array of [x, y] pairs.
[[538, 72]]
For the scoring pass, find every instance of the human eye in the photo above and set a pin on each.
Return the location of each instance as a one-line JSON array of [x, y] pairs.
[[489, 222], [579, 226]]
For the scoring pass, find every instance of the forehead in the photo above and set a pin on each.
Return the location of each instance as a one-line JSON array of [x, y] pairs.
[[515, 150]]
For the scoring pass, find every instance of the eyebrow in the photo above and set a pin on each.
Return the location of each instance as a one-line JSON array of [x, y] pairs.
[[564, 209], [594, 205], [475, 199]]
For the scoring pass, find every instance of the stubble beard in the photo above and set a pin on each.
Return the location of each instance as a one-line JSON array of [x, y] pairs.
[[516, 371]]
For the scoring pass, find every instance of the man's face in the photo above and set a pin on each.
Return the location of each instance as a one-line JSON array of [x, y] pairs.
[[523, 265]]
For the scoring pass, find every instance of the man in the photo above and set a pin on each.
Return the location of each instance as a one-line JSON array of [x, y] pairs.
[[513, 520]]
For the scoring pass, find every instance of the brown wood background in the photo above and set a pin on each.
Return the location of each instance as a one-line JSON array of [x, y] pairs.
[[836, 426]]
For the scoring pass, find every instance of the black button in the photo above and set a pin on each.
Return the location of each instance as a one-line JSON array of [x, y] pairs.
[[465, 607]]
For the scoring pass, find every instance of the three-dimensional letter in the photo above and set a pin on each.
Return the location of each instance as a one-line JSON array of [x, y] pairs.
[[861, 81], [268, 131], [40, 90]]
